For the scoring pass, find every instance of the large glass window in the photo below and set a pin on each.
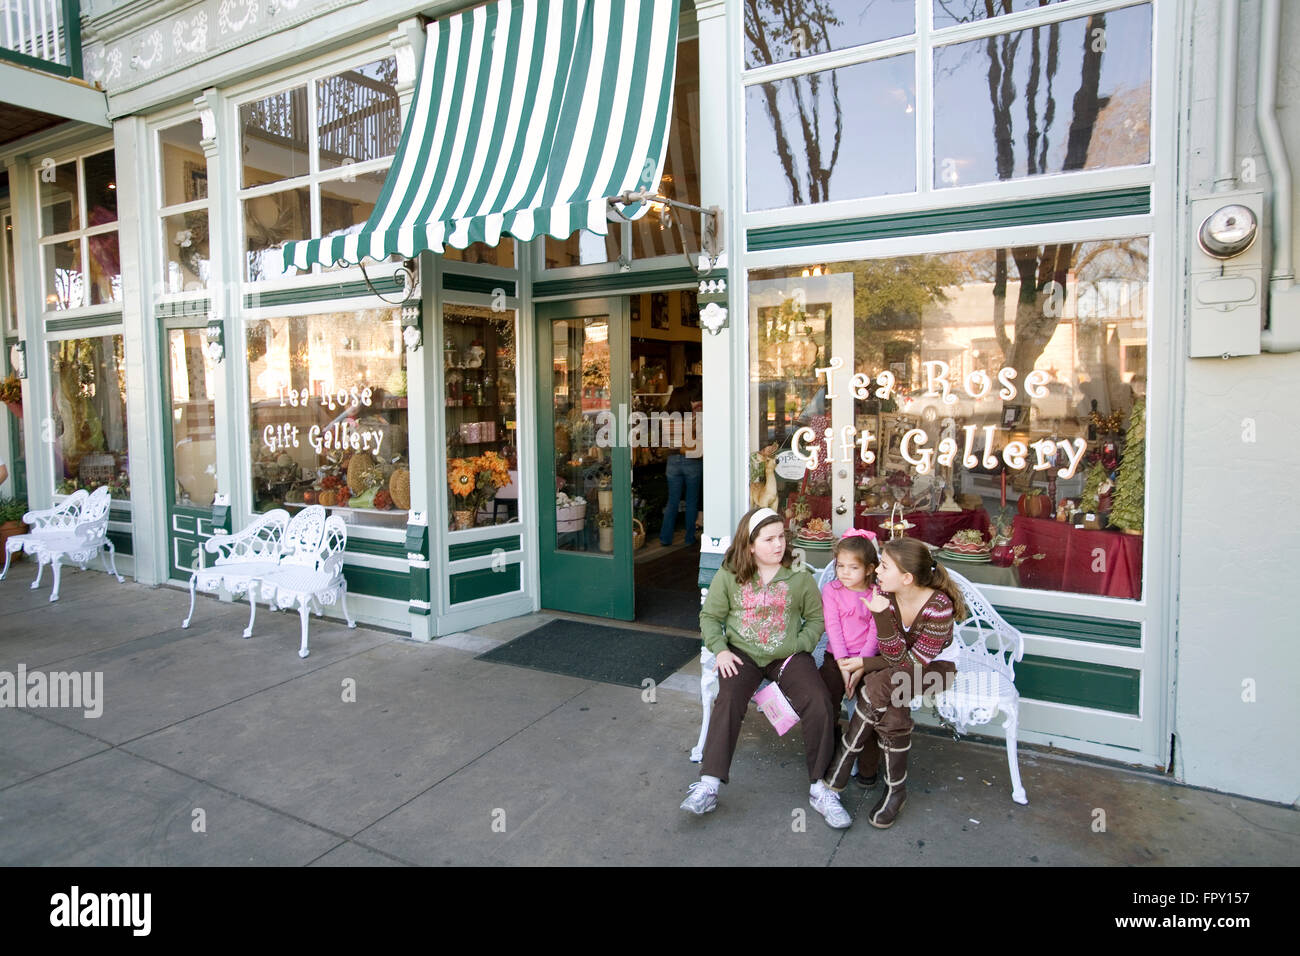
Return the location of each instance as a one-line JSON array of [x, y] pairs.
[[314, 160], [80, 261], [88, 385], [328, 416], [193, 424], [835, 134], [1058, 98], [989, 400], [479, 366], [777, 30], [184, 212]]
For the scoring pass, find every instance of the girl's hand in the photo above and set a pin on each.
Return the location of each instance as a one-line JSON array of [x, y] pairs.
[[878, 602], [728, 664]]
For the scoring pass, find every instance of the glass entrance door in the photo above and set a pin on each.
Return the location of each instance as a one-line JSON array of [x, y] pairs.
[[190, 440], [584, 458]]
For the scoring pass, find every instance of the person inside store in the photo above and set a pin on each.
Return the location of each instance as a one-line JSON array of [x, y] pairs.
[[762, 619], [685, 466]]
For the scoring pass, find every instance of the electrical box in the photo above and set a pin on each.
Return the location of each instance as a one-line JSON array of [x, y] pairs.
[[1225, 305]]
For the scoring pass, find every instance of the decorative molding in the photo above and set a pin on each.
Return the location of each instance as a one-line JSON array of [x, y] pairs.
[[152, 41], [198, 30], [226, 18]]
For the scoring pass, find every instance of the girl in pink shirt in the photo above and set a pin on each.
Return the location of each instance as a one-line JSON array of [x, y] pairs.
[[850, 628]]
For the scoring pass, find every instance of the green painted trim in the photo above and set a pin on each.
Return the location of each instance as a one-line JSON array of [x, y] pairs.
[[485, 582], [183, 309], [710, 561], [1094, 630], [36, 63], [480, 549], [72, 36], [318, 293], [122, 542], [83, 322], [421, 611], [420, 589], [614, 283], [378, 582], [379, 549], [1080, 683], [458, 282], [1134, 201]]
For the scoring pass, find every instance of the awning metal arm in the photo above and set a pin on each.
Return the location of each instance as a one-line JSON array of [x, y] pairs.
[[406, 274], [711, 241]]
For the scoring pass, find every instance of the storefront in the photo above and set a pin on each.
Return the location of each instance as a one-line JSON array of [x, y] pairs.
[[940, 299]]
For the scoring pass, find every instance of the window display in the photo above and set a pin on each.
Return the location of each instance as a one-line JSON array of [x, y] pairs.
[[328, 415], [88, 386], [984, 402], [193, 424], [77, 235], [479, 360]]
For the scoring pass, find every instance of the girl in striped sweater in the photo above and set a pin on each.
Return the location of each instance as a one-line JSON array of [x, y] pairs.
[[914, 620]]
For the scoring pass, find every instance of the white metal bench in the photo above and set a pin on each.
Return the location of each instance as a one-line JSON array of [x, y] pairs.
[[242, 558], [74, 531], [309, 574]]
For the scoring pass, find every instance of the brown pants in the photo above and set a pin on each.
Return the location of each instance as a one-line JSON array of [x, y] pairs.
[[807, 695], [881, 712]]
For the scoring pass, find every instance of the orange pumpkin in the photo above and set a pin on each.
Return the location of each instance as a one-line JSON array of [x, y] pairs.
[[328, 498], [1034, 504]]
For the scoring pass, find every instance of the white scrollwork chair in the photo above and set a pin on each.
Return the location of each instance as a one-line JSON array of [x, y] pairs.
[[986, 678], [62, 517], [243, 557], [73, 533], [310, 577]]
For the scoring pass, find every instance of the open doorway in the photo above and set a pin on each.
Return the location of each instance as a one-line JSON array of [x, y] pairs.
[[667, 458]]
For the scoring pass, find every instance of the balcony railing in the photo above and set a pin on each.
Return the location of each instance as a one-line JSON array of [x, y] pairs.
[[43, 34]]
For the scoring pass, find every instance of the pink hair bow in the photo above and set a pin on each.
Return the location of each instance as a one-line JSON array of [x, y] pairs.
[[859, 533]]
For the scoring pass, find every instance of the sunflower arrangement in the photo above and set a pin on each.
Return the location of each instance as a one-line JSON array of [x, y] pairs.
[[475, 481]]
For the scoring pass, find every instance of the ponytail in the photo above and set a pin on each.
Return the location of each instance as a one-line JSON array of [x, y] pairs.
[[914, 558]]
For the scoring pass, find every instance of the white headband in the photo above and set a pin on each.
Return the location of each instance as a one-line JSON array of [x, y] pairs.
[[762, 514]]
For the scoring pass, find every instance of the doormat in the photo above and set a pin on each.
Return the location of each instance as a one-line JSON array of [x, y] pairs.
[[614, 655]]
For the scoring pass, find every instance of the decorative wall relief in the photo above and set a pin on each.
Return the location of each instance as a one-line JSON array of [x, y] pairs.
[[245, 10], [198, 33]]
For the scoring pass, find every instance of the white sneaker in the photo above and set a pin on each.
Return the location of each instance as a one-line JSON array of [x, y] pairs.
[[827, 802], [702, 798]]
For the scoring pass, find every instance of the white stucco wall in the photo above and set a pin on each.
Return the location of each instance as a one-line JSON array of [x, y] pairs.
[[1240, 542]]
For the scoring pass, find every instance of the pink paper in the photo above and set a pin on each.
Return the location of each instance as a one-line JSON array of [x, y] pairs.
[[774, 706]]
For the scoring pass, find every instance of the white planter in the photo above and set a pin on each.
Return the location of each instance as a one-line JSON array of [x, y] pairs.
[[571, 518]]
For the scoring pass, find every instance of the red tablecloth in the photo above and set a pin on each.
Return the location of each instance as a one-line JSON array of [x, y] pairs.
[[1078, 560]]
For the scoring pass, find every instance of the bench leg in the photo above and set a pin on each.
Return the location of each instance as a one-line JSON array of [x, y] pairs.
[[112, 557], [194, 580], [40, 570], [252, 610], [708, 694], [54, 595], [8, 556], [343, 597], [304, 614], [1010, 725]]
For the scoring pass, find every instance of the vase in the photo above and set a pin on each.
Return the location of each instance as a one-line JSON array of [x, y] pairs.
[[463, 519], [16, 408], [606, 539], [606, 499], [1001, 556]]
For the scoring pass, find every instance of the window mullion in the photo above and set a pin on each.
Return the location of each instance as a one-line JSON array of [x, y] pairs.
[[924, 99]]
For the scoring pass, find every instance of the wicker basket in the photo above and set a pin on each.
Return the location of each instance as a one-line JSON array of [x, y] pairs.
[[638, 534]]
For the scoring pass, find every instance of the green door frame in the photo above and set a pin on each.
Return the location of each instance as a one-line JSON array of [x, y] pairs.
[[586, 582], [188, 526]]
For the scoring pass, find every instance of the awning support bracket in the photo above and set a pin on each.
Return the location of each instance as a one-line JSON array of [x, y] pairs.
[[711, 241]]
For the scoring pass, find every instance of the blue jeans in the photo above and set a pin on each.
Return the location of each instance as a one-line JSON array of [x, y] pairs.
[[688, 473]]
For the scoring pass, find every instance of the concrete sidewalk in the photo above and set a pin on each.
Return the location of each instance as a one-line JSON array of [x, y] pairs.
[[216, 750]]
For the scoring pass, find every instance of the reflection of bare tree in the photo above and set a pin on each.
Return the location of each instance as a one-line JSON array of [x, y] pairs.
[[777, 29]]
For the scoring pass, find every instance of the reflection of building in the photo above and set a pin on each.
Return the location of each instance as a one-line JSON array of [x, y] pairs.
[[874, 212]]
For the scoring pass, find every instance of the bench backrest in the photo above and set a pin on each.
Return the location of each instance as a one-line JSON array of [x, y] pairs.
[[303, 537], [984, 632]]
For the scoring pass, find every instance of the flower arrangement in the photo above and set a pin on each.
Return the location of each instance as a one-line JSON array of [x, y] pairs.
[[475, 481], [11, 390], [563, 500]]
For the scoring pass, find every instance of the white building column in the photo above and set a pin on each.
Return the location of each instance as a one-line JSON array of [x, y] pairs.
[[723, 352], [140, 347]]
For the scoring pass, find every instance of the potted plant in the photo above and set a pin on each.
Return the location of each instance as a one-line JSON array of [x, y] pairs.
[[11, 521], [11, 393], [474, 482], [605, 528]]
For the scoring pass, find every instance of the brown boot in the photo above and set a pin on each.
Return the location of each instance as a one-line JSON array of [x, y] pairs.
[[894, 751], [868, 761]]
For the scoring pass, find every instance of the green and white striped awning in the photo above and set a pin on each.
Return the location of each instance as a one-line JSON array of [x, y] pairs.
[[528, 115]]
